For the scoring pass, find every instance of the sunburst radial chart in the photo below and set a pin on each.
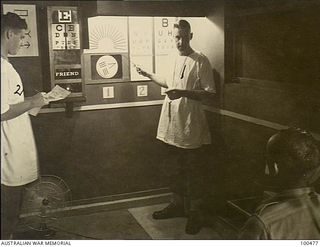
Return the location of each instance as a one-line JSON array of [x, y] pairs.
[[108, 35]]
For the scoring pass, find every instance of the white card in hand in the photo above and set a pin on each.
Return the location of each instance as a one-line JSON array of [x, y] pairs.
[[57, 93]]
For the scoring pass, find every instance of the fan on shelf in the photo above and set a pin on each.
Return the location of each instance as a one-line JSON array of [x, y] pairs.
[[42, 202]]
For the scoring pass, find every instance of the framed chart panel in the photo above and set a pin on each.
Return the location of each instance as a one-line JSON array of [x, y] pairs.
[[108, 34], [64, 32], [140, 46]]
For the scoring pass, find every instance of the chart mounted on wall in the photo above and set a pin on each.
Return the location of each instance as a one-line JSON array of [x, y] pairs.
[[118, 45], [140, 35], [105, 67], [164, 42], [29, 45], [140, 45], [64, 32], [65, 36], [108, 34], [163, 35], [144, 62]]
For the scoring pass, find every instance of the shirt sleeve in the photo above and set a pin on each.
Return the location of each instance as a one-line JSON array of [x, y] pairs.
[[254, 229], [206, 76], [166, 67], [4, 89]]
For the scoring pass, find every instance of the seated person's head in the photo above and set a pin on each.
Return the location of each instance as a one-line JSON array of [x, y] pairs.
[[293, 159]]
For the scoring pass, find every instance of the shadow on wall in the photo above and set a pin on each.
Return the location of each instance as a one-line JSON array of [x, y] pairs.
[[216, 102], [217, 80]]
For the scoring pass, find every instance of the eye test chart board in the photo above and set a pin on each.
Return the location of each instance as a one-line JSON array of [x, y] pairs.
[[117, 44], [64, 31], [141, 45], [29, 47]]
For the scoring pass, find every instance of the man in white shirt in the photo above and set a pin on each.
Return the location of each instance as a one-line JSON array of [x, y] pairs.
[[19, 163], [183, 125]]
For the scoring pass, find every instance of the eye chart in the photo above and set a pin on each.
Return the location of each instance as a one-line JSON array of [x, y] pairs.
[[163, 35], [65, 36], [64, 32], [117, 45], [140, 45], [164, 42], [108, 34]]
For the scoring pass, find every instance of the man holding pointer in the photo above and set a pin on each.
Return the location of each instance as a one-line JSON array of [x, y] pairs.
[[183, 126]]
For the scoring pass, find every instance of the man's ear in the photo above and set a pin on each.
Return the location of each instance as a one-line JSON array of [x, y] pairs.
[[8, 33], [271, 169], [191, 36]]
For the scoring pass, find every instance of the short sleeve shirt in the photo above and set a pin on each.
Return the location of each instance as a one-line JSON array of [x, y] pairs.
[[19, 164], [182, 121], [292, 214]]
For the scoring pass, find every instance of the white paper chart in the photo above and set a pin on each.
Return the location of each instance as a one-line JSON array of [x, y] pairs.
[[140, 36], [58, 39], [108, 34], [163, 35], [164, 42], [65, 36], [145, 62], [140, 45]]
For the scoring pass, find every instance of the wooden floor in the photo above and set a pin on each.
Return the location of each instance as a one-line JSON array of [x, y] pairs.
[[134, 223]]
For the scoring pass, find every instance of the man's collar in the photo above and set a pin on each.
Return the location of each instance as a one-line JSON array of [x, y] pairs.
[[295, 192]]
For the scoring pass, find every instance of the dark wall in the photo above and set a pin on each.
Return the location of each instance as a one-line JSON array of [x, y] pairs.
[[112, 151], [154, 8], [271, 74], [288, 53], [273, 58], [271, 101], [102, 152]]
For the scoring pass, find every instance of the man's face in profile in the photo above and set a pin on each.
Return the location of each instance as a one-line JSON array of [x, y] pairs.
[[15, 40]]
